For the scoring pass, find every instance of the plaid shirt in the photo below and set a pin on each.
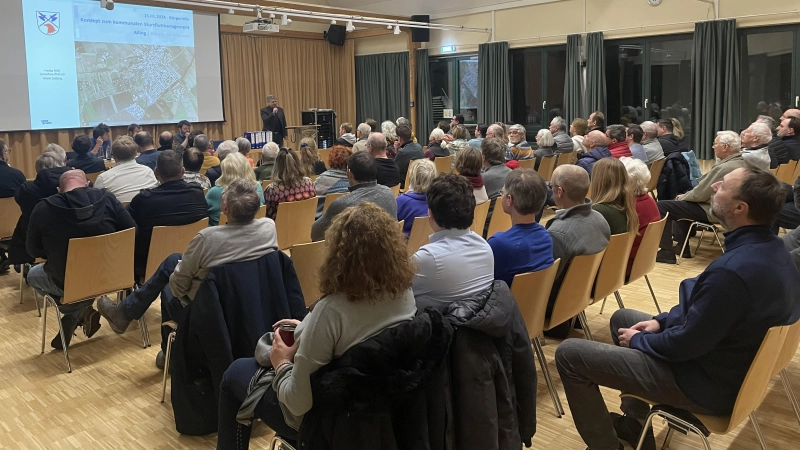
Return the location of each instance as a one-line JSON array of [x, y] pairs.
[[197, 177]]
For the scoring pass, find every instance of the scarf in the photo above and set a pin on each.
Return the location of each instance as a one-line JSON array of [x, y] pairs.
[[476, 181]]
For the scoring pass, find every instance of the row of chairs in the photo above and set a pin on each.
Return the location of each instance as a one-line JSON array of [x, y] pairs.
[[788, 172]]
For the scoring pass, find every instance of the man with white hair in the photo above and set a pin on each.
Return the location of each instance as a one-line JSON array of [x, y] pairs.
[[696, 204], [274, 119], [564, 143], [755, 142], [268, 155], [223, 149], [650, 142], [363, 132], [518, 148]]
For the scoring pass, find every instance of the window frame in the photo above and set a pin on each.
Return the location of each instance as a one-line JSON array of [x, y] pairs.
[[453, 68], [521, 52]]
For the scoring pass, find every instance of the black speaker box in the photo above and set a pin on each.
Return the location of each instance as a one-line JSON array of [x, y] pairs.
[[335, 34], [420, 34]]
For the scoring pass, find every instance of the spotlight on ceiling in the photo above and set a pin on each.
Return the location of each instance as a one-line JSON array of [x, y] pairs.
[[107, 4], [285, 20], [333, 22], [271, 15], [231, 11], [350, 26], [397, 29], [388, 27]]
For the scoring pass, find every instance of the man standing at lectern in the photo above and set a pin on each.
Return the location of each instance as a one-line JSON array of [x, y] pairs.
[[274, 120]]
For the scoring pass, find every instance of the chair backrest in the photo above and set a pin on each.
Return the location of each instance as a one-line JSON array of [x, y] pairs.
[[255, 155], [293, 222], [796, 173], [611, 274], [532, 291], [93, 176], [9, 217], [111, 258], [407, 184], [527, 163], [307, 259], [168, 240], [573, 297], [500, 221], [785, 172], [789, 348], [396, 190], [265, 183], [564, 158], [655, 172], [262, 212], [401, 224], [444, 164], [645, 259], [479, 217], [546, 167], [420, 234], [330, 198], [324, 153], [758, 376]]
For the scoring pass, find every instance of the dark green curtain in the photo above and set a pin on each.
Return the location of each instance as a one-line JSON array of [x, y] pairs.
[[382, 86], [573, 89], [595, 73], [715, 83], [424, 100], [494, 87]]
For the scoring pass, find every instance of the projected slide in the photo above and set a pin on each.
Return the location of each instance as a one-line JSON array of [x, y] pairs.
[[87, 65]]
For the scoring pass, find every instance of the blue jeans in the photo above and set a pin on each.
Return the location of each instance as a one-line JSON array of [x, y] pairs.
[[44, 285], [232, 391], [136, 304]]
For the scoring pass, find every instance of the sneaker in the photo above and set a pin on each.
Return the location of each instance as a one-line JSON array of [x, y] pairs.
[[112, 312], [160, 358], [68, 324], [5, 263], [629, 429], [90, 321], [666, 257]]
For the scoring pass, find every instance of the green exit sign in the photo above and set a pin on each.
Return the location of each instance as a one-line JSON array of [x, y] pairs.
[[448, 49]]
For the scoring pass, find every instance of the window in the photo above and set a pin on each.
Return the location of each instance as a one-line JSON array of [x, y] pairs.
[[537, 87], [650, 79], [454, 85]]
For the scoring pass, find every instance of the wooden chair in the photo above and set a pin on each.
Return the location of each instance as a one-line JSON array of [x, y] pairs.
[[703, 226], [575, 292], [396, 190], [785, 172], [293, 222], [307, 259], [532, 291], [112, 271], [784, 359], [9, 217], [260, 214], [408, 175], [265, 183], [324, 153], [655, 173], [420, 234], [330, 198], [564, 158], [527, 163], [93, 176], [611, 274], [255, 155], [500, 221], [168, 240], [750, 395], [401, 224], [444, 164], [479, 217], [546, 167], [796, 173], [645, 259]]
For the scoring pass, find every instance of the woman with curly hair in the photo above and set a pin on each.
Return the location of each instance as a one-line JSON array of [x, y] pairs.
[[388, 129], [309, 158], [333, 180], [360, 298], [288, 183]]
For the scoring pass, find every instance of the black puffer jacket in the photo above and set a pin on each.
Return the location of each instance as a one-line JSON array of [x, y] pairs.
[[674, 179], [671, 144]]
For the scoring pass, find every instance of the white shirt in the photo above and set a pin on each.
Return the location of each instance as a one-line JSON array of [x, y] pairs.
[[126, 179], [455, 265]]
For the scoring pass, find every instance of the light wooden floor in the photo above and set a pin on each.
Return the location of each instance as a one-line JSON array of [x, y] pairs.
[[111, 400]]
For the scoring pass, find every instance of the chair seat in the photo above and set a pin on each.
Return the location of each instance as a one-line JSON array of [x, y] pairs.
[[170, 324]]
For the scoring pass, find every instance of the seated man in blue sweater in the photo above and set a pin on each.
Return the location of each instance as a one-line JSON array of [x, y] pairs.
[[695, 356], [527, 246]]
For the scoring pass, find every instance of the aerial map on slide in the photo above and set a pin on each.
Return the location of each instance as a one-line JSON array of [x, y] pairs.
[[135, 83]]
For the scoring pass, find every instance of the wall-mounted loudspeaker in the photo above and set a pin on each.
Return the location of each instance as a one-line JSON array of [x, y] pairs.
[[420, 34], [335, 34]]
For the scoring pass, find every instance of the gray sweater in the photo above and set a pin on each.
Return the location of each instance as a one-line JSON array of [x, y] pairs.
[[577, 231], [362, 192], [563, 142], [494, 178]]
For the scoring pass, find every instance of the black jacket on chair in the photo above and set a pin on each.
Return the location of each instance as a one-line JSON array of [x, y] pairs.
[[236, 304], [674, 179]]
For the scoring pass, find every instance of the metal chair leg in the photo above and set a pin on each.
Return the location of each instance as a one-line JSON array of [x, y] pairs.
[[685, 241], [683, 426], [667, 439], [619, 300], [648, 422], [603, 305], [719, 242], [63, 341], [166, 366], [278, 443], [653, 294], [537, 348], [44, 322], [585, 324], [759, 435], [36, 299], [787, 385], [21, 282], [700, 240]]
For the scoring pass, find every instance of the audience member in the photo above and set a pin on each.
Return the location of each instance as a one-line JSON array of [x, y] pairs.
[[85, 160], [363, 131], [234, 167], [460, 136], [172, 202], [695, 356], [413, 202], [134, 129], [405, 122], [407, 151], [192, 135], [288, 183], [388, 173], [101, 141], [577, 229], [444, 126], [789, 133], [346, 136], [203, 143], [180, 141], [494, 168], [646, 208], [192, 162], [359, 301], [388, 128], [127, 177], [790, 239], [617, 143], [179, 276], [597, 121], [558, 127], [675, 177], [458, 119], [578, 130], [57, 150], [527, 246], [361, 174], [670, 143], [634, 135], [518, 147], [224, 149], [650, 142], [309, 158], [435, 149], [453, 265], [268, 155], [695, 205], [373, 128], [596, 143], [77, 211], [245, 147], [334, 180], [469, 163], [546, 144], [755, 141], [148, 155], [10, 178], [480, 135], [165, 141], [612, 197]]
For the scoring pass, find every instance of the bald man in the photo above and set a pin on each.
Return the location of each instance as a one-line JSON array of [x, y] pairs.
[[596, 143], [165, 141], [77, 211]]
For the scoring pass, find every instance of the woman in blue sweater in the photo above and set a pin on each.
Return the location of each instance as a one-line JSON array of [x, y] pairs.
[[412, 203]]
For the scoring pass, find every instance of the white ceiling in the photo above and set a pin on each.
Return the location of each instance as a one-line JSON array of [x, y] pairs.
[[433, 8]]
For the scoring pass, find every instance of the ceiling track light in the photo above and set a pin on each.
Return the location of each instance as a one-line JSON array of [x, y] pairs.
[[271, 15], [397, 29], [285, 20]]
